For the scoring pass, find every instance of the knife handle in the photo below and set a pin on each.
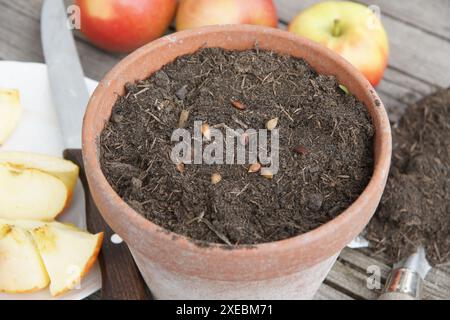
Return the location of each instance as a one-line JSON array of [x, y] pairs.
[[121, 279]]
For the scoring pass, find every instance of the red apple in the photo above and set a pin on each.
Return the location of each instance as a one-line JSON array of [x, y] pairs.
[[350, 29], [197, 13], [125, 25]]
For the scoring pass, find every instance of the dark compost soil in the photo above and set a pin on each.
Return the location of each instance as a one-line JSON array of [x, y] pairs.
[[415, 208], [326, 140]]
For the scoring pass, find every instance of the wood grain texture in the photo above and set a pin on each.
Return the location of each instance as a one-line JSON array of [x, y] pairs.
[[430, 16], [329, 293], [350, 281], [419, 33]]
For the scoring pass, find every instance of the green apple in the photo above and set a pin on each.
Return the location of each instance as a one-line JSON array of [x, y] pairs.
[[351, 29]]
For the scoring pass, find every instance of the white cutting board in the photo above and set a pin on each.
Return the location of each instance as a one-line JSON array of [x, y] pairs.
[[39, 131]]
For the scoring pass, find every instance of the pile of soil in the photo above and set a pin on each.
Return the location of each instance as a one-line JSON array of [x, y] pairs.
[[326, 141], [415, 208]]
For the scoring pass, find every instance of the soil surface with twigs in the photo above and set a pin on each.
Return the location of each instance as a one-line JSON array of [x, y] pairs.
[[415, 208], [325, 152]]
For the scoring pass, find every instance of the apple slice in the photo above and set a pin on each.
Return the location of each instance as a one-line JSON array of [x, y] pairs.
[[30, 194], [62, 169], [21, 267], [68, 254], [10, 112]]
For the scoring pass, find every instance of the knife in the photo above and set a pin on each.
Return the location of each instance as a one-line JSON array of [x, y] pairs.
[[120, 276]]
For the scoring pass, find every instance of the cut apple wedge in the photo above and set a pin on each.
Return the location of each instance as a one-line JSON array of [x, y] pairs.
[[62, 169], [68, 254], [30, 194], [21, 267], [65, 254], [10, 112]]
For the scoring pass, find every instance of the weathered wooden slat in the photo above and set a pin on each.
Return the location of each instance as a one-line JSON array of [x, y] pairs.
[[19, 36], [431, 16], [30, 9], [361, 261], [437, 285], [404, 87], [413, 51], [350, 281], [329, 293], [398, 91]]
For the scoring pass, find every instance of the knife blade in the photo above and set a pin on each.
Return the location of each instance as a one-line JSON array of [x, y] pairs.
[[66, 75], [121, 278]]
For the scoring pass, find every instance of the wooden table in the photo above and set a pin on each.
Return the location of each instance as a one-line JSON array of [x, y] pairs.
[[419, 64]]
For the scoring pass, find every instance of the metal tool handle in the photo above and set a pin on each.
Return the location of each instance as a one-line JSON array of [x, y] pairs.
[[403, 284], [121, 279]]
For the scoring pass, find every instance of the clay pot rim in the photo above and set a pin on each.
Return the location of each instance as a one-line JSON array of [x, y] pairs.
[[98, 181]]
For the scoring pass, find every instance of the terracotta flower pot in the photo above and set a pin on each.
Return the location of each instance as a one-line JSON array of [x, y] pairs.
[[175, 267]]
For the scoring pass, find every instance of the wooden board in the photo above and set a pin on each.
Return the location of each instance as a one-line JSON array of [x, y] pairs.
[[419, 35]]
